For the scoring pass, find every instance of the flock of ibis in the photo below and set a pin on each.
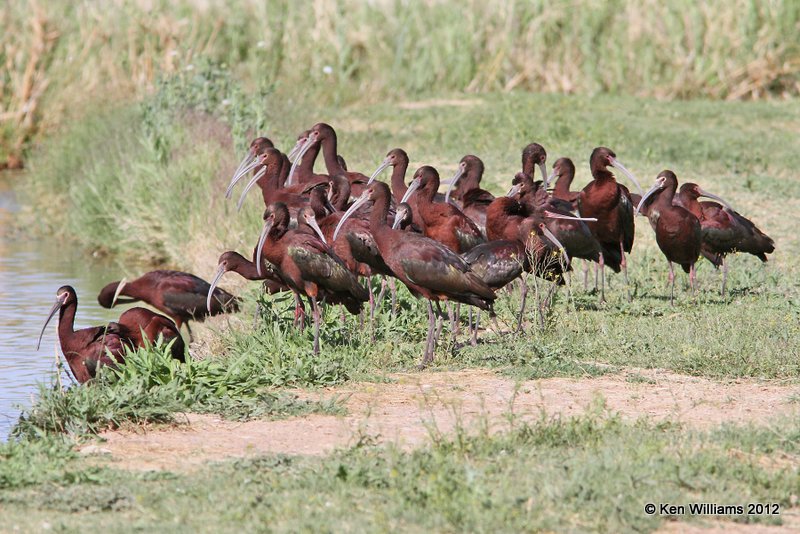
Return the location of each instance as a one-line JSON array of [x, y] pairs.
[[323, 233]]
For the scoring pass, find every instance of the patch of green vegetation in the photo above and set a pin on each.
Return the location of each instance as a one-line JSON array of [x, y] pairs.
[[591, 473], [151, 387]]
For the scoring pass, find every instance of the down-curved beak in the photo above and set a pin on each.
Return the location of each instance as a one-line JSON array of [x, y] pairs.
[[549, 179], [261, 240], [360, 201], [382, 167], [656, 186], [297, 146], [453, 182], [398, 218], [616, 164], [704, 193], [514, 191], [249, 186], [249, 163], [543, 170], [413, 186], [118, 292], [214, 281], [300, 153], [60, 300], [549, 235], [312, 222]]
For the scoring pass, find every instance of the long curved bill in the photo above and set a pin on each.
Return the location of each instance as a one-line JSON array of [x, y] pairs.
[[616, 163], [398, 218], [656, 186], [386, 162], [249, 186], [721, 200], [261, 240], [246, 160], [453, 181], [214, 281], [118, 292], [514, 191], [549, 179], [543, 170], [312, 222], [298, 157], [297, 146], [411, 188], [240, 173], [360, 201], [549, 235], [551, 215], [53, 310]]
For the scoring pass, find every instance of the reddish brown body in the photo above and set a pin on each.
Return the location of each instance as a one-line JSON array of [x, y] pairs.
[[181, 296], [441, 221]]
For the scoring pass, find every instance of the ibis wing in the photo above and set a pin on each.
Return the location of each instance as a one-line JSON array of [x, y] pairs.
[[626, 209], [321, 266]]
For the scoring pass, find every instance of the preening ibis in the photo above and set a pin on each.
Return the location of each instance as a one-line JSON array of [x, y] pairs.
[[307, 265], [611, 204], [428, 268], [89, 348], [678, 232], [724, 230], [181, 296]]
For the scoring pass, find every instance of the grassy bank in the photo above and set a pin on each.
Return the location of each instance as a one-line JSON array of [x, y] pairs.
[[145, 183], [593, 473], [60, 57]]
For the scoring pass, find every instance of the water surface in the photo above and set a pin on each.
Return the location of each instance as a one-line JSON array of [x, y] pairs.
[[30, 273]]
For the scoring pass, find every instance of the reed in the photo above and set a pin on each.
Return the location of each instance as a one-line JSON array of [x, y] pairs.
[[60, 57]]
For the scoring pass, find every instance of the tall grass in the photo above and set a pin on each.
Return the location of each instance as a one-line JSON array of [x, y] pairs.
[[58, 57]]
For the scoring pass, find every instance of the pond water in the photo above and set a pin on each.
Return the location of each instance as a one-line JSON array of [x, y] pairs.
[[30, 273]]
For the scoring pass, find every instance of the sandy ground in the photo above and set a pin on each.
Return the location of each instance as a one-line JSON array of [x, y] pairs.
[[406, 410]]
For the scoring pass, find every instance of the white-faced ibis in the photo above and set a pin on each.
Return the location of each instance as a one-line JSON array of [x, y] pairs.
[[181, 296], [307, 265], [724, 230], [89, 348], [268, 177], [564, 173], [398, 160], [232, 261], [678, 232], [440, 220], [611, 204], [534, 155], [325, 135], [428, 268], [465, 188], [249, 162]]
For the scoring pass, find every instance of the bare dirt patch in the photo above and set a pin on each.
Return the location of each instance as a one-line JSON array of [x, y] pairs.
[[405, 411]]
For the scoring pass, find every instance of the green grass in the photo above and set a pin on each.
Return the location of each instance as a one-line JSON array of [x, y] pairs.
[[592, 473], [145, 182], [151, 387]]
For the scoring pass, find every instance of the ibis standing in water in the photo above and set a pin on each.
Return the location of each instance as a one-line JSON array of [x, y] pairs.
[[428, 268], [677, 230], [181, 296]]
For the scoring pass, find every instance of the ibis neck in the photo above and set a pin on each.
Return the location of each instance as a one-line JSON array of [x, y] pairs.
[[329, 152], [66, 320], [306, 166], [561, 190], [398, 181]]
